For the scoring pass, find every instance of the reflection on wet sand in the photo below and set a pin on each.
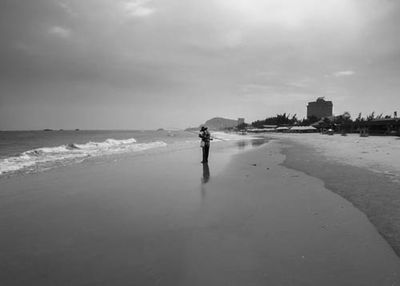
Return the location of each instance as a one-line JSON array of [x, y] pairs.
[[243, 144], [258, 142], [206, 174], [204, 180]]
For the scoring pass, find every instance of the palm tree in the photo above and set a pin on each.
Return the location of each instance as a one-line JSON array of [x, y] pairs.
[[345, 118]]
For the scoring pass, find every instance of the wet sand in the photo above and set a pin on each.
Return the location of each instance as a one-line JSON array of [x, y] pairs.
[[165, 219], [378, 154], [370, 183]]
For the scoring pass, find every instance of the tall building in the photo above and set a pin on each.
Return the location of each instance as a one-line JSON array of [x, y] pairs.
[[319, 108]]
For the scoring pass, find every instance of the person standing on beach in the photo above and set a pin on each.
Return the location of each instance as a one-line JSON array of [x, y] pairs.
[[205, 143]]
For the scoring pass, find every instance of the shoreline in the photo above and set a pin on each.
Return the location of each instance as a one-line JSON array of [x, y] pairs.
[[373, 193], [287, 229], [375, 153], [164, 219]]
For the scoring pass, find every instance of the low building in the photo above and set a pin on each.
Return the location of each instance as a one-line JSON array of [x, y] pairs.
[[303, 129], [384, 126], [282, 129]]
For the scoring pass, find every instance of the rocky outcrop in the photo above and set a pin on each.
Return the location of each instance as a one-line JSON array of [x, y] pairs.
[[219, 123]]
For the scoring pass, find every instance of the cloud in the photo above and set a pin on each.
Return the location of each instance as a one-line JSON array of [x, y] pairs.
[[59, 32], [301, 83], [344, 73], [292, 14], [137, 8], [66, 7]]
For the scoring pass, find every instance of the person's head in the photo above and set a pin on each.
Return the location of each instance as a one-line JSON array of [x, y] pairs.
[[203, 128]]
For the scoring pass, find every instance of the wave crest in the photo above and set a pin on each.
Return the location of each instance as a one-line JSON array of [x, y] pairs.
[[46, 157]]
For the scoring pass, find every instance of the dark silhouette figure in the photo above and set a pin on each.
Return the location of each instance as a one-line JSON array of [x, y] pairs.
[[205, 143]]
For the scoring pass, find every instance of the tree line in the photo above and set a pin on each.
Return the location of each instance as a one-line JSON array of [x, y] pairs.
[[342, 122]]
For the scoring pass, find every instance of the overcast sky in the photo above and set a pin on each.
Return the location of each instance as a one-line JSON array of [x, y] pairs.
[[129, 64]]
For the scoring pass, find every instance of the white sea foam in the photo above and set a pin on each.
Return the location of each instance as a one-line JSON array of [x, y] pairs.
[[48, 156]]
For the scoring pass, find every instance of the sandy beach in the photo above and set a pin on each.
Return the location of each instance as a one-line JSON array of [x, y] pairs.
[[363, 170], [165, 219], [378, 154]]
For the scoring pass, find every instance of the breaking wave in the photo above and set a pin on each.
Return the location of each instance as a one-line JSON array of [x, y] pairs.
[[47, 157]]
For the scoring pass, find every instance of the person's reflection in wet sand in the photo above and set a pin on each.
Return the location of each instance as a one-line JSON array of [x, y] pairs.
[[204, 180], [241, 144]]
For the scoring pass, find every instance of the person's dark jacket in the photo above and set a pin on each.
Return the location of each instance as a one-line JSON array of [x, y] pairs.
[[205, 136]]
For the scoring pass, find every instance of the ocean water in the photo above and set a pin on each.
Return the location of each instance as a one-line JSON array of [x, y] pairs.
[[35, 151]]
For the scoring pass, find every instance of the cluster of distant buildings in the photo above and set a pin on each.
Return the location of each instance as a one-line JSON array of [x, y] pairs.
[[321, 109], [285, 129], [320, 113]]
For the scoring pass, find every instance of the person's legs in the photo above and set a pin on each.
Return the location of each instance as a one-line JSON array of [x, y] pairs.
[[206, 150]]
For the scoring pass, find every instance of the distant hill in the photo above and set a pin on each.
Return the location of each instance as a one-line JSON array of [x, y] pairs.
[[219, 123]]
